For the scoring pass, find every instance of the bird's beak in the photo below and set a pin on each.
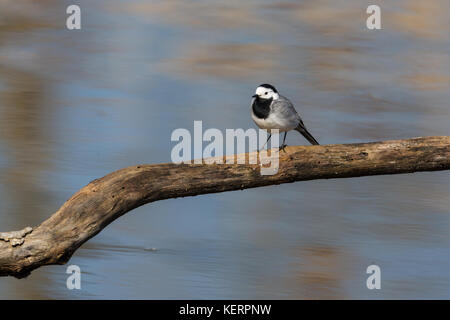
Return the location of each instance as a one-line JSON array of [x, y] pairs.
[[255, 96]]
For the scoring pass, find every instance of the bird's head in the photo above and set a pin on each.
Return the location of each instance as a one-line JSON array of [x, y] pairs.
[[266, 91]]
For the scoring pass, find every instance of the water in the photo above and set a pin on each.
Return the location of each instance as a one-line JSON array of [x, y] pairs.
[[75, 105]]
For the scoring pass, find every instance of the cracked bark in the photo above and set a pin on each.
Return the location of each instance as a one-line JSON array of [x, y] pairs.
[[103, 200]]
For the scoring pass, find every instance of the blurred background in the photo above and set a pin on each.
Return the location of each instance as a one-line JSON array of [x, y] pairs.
[[76, 105]]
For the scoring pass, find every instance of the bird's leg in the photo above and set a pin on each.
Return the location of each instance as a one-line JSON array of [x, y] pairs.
[[283, 145], [270, 134]]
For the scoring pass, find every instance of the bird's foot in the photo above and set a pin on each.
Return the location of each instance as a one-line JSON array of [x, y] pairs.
[[282, 147]]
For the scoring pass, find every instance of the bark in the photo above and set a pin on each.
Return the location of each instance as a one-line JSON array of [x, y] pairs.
[[103, 200]]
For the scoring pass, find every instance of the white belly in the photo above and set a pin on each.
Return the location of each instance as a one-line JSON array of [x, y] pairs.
[[274, 122]]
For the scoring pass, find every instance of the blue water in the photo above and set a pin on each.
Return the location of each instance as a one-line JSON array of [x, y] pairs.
[[76, 105]]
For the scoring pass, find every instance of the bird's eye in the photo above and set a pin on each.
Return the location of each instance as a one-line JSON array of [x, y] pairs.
[[266, 93]]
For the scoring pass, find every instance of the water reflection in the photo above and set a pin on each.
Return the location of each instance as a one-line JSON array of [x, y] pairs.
[[77, 105], [23, 128], [317, 276]]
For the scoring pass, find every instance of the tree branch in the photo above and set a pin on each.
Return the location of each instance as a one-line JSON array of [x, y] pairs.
[[103, 200]]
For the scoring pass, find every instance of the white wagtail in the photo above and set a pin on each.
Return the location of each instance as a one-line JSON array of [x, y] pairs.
[[270, 110]]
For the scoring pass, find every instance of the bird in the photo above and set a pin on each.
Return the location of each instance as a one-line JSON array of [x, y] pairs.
[[270, 110]]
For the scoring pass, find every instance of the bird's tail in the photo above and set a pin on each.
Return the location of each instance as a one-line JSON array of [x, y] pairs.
[[301, 128]]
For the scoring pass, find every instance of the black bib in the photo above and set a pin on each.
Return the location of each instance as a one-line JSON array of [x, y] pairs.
[[261, 107]]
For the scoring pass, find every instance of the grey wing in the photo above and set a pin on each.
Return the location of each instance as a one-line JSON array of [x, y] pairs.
[[285, 109]]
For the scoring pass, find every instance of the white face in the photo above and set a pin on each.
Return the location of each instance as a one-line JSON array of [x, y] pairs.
[[266, 93]]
